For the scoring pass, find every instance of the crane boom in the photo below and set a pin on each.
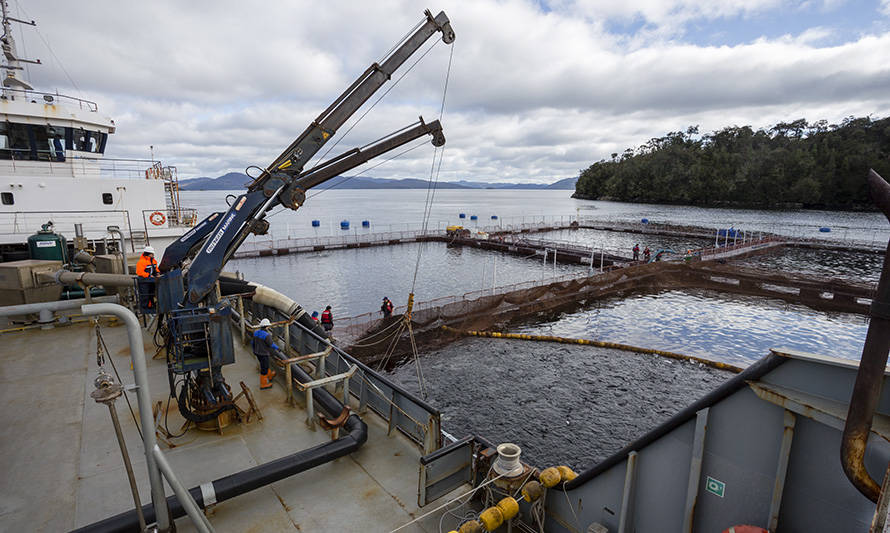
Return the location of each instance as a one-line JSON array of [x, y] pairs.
[[197, 336], [282, 181]]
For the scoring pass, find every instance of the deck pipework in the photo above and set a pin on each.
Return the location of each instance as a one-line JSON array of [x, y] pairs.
[[872, 365]]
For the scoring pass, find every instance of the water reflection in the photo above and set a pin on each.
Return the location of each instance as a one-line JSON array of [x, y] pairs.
[[355, 280], [732, 328]]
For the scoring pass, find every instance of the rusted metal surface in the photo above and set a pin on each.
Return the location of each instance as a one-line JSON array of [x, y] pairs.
[[882, 511], [781, 470], [867, 390]]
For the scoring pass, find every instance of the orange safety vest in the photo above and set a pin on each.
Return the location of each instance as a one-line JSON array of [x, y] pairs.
[[146, 266]]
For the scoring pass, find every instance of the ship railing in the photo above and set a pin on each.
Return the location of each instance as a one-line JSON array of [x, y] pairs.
[[52, 163], [35, 97], [402, 410], [20, 224], [170, 217]]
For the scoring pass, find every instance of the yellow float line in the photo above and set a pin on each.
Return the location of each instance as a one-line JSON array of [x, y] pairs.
[[601, 344]]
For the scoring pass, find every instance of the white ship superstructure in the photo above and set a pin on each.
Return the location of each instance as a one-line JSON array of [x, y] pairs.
[[53, 168]]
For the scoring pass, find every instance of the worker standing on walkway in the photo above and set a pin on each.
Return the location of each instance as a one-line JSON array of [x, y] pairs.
[[386, 307], [636, 252], [263, 348], [147, 267], [147, 271], [646, 254], [327, 320]]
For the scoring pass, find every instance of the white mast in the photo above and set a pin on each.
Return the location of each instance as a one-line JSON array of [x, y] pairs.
[[12, 61]]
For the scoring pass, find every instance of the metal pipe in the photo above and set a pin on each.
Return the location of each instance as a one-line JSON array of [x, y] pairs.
[[66, 277], [191, 508], [356, 433], [143, 397], [872, 365], [121, 246], [131, 477], [60, 305]]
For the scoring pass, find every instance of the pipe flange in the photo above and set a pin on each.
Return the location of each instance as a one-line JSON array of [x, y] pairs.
[[107, 389]]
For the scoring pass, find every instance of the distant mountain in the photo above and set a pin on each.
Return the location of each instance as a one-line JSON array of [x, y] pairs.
[[237, 180], [567, 184], [230, 181]]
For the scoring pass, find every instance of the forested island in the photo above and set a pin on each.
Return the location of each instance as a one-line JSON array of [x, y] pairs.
[[791, 165]]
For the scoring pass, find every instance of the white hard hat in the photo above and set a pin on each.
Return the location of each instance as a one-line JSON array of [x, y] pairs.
[[148, 250], [265, 322]]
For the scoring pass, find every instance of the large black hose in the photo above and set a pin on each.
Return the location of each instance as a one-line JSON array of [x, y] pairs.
[[354, 435]]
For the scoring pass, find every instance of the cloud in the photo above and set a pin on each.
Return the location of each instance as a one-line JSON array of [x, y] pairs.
[[535, 93]]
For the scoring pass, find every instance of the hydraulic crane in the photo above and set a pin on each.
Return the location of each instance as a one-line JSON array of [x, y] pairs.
[[195, 324]]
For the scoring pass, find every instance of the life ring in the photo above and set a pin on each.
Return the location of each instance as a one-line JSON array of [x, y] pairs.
[[157, 218]]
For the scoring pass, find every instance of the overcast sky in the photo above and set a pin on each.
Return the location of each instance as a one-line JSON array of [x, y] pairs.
[[537, 91]]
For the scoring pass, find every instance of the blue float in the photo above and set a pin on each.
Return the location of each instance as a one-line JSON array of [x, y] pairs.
[[825, 230], [645, 221], [494, 217], [474, 217], [728, 232], [366, 223], [316, 223], [344, 224], [462, 215]]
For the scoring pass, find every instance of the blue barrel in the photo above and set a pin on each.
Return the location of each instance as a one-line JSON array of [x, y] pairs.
[[462, 215], [316, 223], [645, 221], [730, 232], [825, 230], [366, 223], [344, 224], [474, 217], [494, 217]]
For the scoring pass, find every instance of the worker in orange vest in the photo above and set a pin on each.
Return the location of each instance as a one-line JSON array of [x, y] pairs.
[[147, 267], [147, 270]]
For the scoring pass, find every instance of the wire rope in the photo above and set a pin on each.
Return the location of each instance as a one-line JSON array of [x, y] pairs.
[[374, 104]]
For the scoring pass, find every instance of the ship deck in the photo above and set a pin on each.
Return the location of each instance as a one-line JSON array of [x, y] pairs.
[[62, 467]]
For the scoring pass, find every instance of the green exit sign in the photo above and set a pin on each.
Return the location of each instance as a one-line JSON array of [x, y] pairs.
[[715, 486]]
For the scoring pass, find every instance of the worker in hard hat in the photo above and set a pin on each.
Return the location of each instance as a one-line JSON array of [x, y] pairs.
[[147, 267], [263, 348], [147, 270]]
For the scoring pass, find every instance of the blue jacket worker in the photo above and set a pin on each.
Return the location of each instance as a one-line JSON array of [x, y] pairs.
[[263, 348]]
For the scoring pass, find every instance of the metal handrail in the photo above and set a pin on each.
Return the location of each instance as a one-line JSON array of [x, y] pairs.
[[30, 93]]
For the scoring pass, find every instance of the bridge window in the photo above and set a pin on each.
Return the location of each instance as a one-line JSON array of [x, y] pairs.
[[19, 140], [56, 143], [4, 142], [7, 198], [89, 141], [40, 147], [107, 198]]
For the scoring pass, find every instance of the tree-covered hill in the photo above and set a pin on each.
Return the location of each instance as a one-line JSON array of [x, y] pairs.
[[792, 164]]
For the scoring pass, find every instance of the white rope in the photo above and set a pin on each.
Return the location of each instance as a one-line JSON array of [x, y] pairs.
[[446, 504]]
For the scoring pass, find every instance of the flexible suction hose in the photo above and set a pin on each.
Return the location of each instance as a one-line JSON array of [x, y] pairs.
[[354, 435]]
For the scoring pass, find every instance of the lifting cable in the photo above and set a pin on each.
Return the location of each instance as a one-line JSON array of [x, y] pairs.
[[101, 352], [435, 169]]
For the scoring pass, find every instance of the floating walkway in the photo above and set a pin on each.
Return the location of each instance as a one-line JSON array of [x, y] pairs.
[[495, 235]]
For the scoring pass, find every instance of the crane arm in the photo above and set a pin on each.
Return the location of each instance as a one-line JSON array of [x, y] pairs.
[[294, 158], [247, 213], [182, 247]]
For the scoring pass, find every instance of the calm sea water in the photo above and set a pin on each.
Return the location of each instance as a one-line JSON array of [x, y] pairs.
[[732, 328], [399, 209]]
